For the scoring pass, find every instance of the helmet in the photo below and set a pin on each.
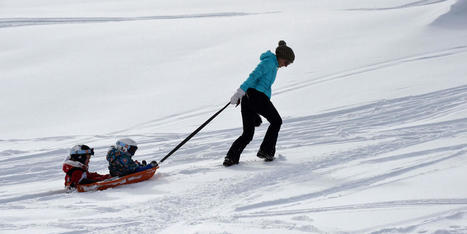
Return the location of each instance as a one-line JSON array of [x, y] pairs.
[[80, 153], [127, 145]]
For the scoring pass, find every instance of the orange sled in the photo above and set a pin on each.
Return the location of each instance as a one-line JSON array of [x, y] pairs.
[[116, 181]]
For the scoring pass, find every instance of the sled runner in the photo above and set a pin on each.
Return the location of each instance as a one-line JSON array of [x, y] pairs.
[[116, 181]]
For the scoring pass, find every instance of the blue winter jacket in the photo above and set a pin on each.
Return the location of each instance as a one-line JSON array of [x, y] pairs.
[[264, 74], [121, 163]]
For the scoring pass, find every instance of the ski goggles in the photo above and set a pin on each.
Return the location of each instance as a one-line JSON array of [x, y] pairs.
[[89, 151], [131, 149]]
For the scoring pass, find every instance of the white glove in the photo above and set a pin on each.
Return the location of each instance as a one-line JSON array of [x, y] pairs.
[[235, 99]]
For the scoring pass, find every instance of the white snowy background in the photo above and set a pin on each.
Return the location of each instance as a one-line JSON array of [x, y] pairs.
[[374, 138]]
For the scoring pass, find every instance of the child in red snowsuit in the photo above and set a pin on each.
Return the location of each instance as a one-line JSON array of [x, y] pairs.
[[76, 167]]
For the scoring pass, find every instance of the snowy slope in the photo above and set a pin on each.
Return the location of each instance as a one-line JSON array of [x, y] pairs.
[[374, 108]]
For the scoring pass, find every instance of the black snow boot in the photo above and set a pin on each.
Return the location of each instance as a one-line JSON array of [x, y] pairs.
[[229, 162], [154, 164], [267, 157]]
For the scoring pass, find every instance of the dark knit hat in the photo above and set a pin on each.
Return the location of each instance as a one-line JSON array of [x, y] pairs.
[[285, 52]]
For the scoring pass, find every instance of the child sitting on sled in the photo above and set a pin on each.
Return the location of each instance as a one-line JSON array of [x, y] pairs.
[[120, 161], [76, 167]]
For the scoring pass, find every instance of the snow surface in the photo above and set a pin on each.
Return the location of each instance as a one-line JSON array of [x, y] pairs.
[[374, 138]]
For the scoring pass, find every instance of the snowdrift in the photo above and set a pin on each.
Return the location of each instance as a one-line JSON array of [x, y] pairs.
[[456, 18]]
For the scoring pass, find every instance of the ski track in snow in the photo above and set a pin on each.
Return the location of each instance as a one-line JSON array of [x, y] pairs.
[[381, 128], [19, 22], [351, 185], [420, 223], [412, 4], [373, 205]]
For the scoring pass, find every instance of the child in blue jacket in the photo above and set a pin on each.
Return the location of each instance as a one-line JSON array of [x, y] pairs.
[[254, 95], [120, 161]]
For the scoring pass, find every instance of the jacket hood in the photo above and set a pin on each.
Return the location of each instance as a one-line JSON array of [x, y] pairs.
[[68, 164], [267, 55]]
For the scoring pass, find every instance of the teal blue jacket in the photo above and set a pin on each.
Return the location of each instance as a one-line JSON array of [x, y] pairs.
[[264, 74]]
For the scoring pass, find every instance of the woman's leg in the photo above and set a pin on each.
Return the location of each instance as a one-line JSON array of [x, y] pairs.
[[269, 142], [249, 120], [261, 104]]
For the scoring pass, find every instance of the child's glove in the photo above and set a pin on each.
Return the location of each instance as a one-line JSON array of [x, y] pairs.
[[69, 189]]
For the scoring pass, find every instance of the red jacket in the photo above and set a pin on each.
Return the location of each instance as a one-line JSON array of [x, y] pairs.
[[77, 173]]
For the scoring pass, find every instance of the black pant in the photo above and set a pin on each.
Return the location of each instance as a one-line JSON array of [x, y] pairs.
[[254, 103]]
